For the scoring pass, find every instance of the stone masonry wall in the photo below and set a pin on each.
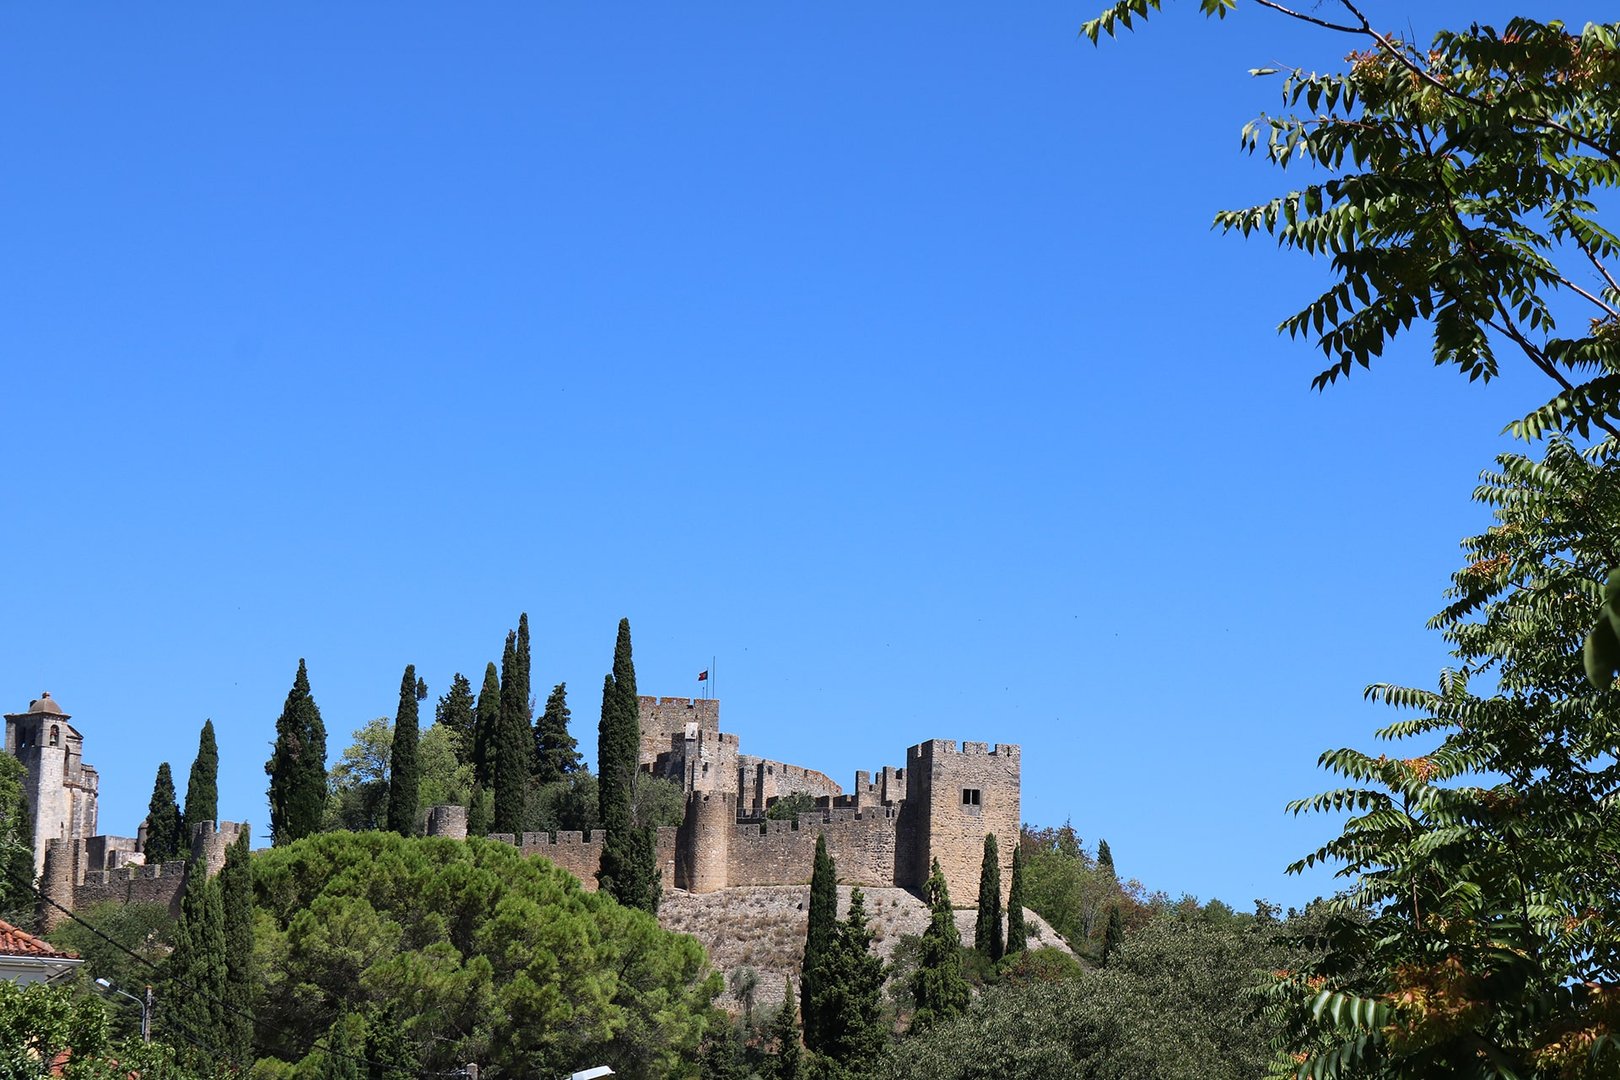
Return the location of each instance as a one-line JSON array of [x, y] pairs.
[[865, 845], [761, 781], [952, 825], [665, 718]]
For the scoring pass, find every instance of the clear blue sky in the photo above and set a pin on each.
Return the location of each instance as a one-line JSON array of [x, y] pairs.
[[883, 351]]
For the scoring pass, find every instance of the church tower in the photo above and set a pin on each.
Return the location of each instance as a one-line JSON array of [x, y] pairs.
[[61, 788]]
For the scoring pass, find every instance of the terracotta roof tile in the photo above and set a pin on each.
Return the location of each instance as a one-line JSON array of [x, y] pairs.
[[15, 942]]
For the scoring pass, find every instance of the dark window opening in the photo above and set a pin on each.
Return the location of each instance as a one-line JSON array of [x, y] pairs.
[[970, 796]]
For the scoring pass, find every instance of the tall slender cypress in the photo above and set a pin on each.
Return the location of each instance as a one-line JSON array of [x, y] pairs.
[[202, 787], [1017, 933], [1113, 933], [819, 936], [1105, 858], [514, 741], [297, 766], [404, 768], [236, 899], [455, 712], [163, 824], [489, 725], [786, 1031], [556, 754], [937, 985], [629, 869], [849, 994], [194, 993], [987, 931]]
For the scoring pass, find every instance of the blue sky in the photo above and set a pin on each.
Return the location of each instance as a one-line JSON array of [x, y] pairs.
[[883, 352]]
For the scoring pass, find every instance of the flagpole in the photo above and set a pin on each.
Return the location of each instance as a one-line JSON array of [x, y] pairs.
[[714, 678]]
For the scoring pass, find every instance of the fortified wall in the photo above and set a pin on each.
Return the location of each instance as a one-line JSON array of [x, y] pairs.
[[79, 873], [885, 832]]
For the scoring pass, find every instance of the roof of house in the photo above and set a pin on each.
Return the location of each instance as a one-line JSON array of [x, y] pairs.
[[15, 942]]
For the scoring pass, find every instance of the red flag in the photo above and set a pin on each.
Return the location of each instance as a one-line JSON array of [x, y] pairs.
[[703, 676]]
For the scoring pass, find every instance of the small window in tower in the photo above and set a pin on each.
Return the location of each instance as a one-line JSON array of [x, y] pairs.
[[970, 796], [56, 735]]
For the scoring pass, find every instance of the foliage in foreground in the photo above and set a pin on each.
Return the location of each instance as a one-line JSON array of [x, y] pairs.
[[1176, 1003], [488, 956]]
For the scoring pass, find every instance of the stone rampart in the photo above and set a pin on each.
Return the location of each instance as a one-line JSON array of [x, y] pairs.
[[161, 884], [665, 717], [865, 845], [761, 782]]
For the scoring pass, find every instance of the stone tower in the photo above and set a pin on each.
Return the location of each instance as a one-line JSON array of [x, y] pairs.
[[61, 788], [956, 798]]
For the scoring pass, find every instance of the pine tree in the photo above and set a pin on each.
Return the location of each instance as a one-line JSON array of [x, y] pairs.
[[848, 997], [236, 900], [404, 768], [987, 931], [937, 986], [488, 725], [1113, 933], [202, 787], [556, 754], [297, 767], [194, 982], [1105, 858], [455, 712], [629, 869], [164, 828], [818, 940], [786, 1035], [514, 741], [1017, 934]]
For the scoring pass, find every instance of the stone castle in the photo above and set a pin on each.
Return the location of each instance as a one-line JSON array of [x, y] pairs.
[[886, 831], [77, 866]]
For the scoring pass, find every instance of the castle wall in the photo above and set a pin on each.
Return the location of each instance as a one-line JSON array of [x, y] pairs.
[[865, 846], [760, 782], [581, 853], [662, 719], [162, 884], [957, 798]]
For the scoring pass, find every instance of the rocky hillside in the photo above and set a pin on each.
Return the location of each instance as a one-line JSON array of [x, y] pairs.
[[763, 927]]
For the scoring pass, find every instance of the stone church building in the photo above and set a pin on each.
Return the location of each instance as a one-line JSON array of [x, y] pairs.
[[61, 788]]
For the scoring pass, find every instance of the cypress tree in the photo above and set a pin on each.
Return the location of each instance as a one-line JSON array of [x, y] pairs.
[[786, 1033], [236, 900], [345, 1055], [404, 768], [202, 787], [987, 932], [164, 827], [937, 986], [556, 754], [480, 813], [849, 992], [820, 931], [488, 723], [1105, 858], [629, 870], [1017, 934], [390, 1055], [1113, 933], [194, 984], [297, 766], [455, 712], [514, 741]]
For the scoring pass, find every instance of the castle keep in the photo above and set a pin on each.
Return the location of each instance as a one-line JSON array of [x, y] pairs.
[[886, 831]]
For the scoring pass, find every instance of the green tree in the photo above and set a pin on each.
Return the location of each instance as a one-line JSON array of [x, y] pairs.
[[191, 999], [390, 1054], [987, 929], [404, 767], [483, 955], [513, 743], [16, 843], [344, 1055], [788, 807], [820, 934], [1105, 858], [446, 780], [848, 996], [1113, 933], [629, 870], [937, 986], [358, 785], [236, 903], [42, 1022], [164, 829], [1017, 934], [556, 754], [455, 713], [202, 786], [297, 766], [488, 727], [785, 1033]]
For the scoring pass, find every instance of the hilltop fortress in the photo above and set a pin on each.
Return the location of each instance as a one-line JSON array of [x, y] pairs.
[[885, 832]]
